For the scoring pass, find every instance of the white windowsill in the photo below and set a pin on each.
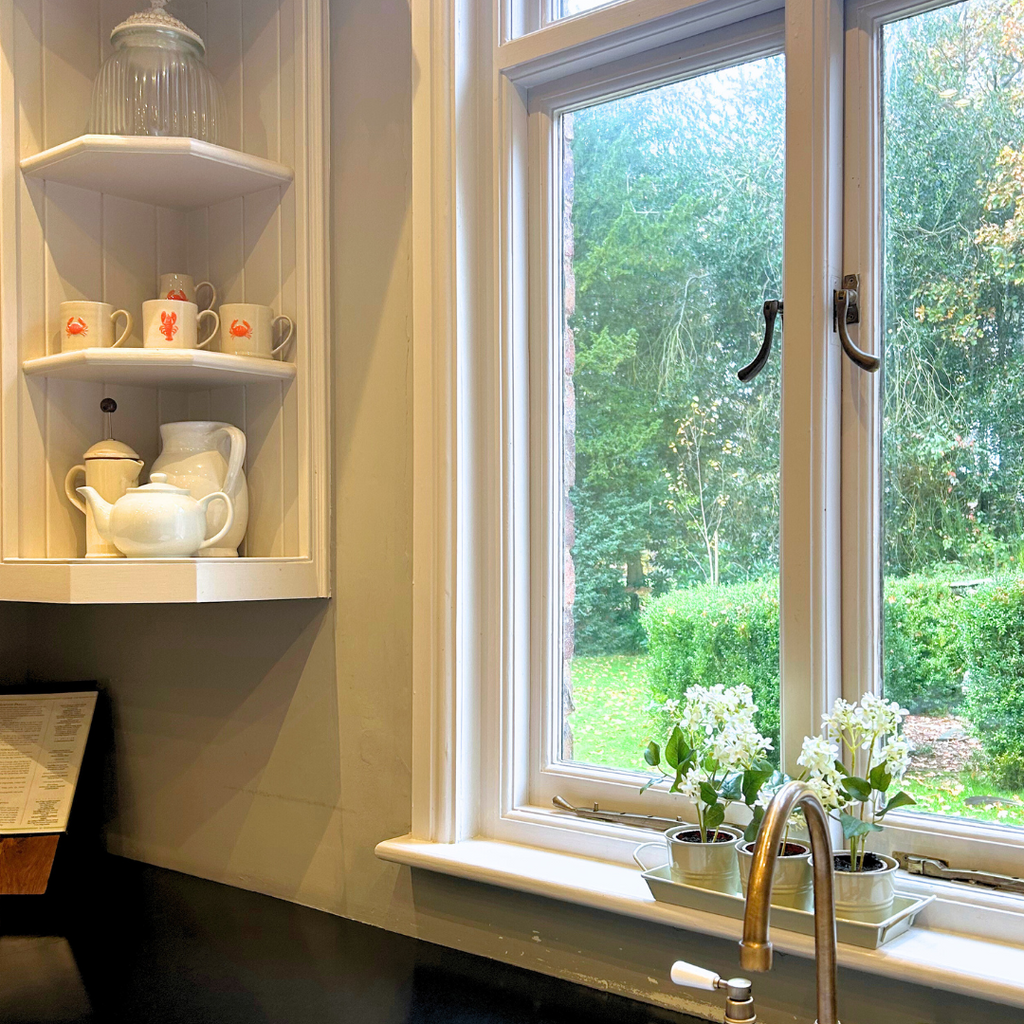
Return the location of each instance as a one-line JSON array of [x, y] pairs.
[[938, 959]]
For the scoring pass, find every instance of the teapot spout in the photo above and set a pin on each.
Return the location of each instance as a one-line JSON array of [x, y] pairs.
[[100, 510]]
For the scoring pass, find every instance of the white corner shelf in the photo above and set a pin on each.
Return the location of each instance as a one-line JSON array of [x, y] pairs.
[[180, 173], [158, 581], [185, 369]]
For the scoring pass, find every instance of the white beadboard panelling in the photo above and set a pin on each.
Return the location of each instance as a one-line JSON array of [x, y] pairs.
[[266, 246]]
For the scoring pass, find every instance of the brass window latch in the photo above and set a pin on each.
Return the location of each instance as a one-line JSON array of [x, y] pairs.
[[934, 867]]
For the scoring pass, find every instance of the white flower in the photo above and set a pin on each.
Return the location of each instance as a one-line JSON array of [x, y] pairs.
[[897, 755], [818, 754], [689, 785]]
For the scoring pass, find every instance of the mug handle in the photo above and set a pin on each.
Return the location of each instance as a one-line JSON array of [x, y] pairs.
[[288, 334], [213, 333], [236, 456], [213, 294], [205, 502], [69, 488], [643, 846], [129, 325]]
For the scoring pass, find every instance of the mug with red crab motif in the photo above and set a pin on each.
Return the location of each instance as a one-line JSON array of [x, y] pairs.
[[247, 329], [91, 325], [184, 288], [171, 323]]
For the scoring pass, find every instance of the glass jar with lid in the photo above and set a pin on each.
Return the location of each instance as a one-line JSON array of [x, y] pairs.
[[156, 81]]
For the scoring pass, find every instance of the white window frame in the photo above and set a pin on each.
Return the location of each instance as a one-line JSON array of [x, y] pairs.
[[482, 113], [979, 845]]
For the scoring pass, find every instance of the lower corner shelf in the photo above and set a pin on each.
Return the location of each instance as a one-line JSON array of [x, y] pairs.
[[159, 581]]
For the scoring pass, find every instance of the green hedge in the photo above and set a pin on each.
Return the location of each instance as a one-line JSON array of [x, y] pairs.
[[947, 650], [994, 705], [924, 648], [723, 634]]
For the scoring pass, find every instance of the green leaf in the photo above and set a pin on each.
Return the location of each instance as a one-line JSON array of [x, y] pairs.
[[901, 799], [753, 780], [708, 794], [714, 816], [853, 827], [841, 768], [732, 787], [750, 832], [647, 785], [676, 749], [879, 778], [652, 755], [858, 788], [674, 788]]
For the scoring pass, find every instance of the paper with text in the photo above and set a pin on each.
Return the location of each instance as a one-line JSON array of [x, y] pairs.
[[42, 740]]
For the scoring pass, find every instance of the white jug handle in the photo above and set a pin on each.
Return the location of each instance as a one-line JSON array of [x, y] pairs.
[[213, 294], [643, 846], [205, 502], [287, 334], [216, 327], [237, 457], [69, 487], [129, 324]]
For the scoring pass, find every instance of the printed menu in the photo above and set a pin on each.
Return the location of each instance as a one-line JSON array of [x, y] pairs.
[[42, 740]]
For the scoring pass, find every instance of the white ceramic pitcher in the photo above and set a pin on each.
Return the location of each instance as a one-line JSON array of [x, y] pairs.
[[205, 456]]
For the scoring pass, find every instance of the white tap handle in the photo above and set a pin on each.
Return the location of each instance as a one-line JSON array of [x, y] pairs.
[[693, 976]]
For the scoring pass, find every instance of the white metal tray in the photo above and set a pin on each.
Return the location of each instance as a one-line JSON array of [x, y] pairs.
[[869, 934]]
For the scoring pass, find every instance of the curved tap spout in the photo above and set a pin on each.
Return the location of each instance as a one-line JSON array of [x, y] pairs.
[[755, 948], [100, 510]]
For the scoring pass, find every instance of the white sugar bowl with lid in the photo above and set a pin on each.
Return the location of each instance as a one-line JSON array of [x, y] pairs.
[[157, 520]]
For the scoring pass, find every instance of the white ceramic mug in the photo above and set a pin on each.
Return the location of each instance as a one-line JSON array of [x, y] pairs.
[[171, 323], [91, 325], [183, 288], [247, 329]]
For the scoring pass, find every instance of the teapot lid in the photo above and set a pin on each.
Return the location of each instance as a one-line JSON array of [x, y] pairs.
[[111, 449], [156, 17], [158, 482]]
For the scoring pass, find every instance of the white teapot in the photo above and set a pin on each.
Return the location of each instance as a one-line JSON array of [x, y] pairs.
[[157, 520]]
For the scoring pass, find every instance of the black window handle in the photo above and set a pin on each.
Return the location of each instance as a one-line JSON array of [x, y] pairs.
[[846, 310], [772, 309]]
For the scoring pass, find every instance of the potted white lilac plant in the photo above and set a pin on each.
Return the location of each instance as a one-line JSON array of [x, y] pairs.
[[859, 758], [715, 756]]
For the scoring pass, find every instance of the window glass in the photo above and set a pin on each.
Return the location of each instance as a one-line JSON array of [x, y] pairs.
[[953, 419], [673, 207], [567, 8]]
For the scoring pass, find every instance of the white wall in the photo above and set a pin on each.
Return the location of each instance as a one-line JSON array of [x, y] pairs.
[[268, 745]]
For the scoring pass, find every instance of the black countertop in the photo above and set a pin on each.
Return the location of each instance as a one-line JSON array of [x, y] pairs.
[[124, 942]]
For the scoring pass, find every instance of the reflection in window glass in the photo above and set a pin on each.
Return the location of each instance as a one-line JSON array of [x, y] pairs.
[[674, 219], [953, 430], [570, 7]]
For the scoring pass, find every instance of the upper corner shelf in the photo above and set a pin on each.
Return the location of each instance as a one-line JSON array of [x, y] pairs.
[[177, 172]]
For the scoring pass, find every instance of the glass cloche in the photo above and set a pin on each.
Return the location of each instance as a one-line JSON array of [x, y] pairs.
[[156, 82]]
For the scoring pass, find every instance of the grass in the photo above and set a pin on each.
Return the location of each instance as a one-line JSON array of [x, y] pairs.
[[614, 721]]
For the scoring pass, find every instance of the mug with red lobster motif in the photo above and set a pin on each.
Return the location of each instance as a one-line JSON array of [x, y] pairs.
[[247, 329], [184, 288], [91, 325], [171, 323]]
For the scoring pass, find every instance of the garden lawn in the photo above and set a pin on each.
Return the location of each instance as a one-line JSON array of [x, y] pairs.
[[612, 722]]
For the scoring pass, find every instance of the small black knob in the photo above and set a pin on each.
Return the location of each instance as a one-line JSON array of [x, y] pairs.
[[108, 405]]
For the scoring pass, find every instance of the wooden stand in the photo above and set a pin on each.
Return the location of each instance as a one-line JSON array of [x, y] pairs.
[[25, 863]]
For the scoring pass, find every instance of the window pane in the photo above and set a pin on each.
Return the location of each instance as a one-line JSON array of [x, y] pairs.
[[953, 429], [567, 8], [673, 242]]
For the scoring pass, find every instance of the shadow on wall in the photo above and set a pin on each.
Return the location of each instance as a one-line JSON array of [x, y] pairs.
[[225, 738]]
